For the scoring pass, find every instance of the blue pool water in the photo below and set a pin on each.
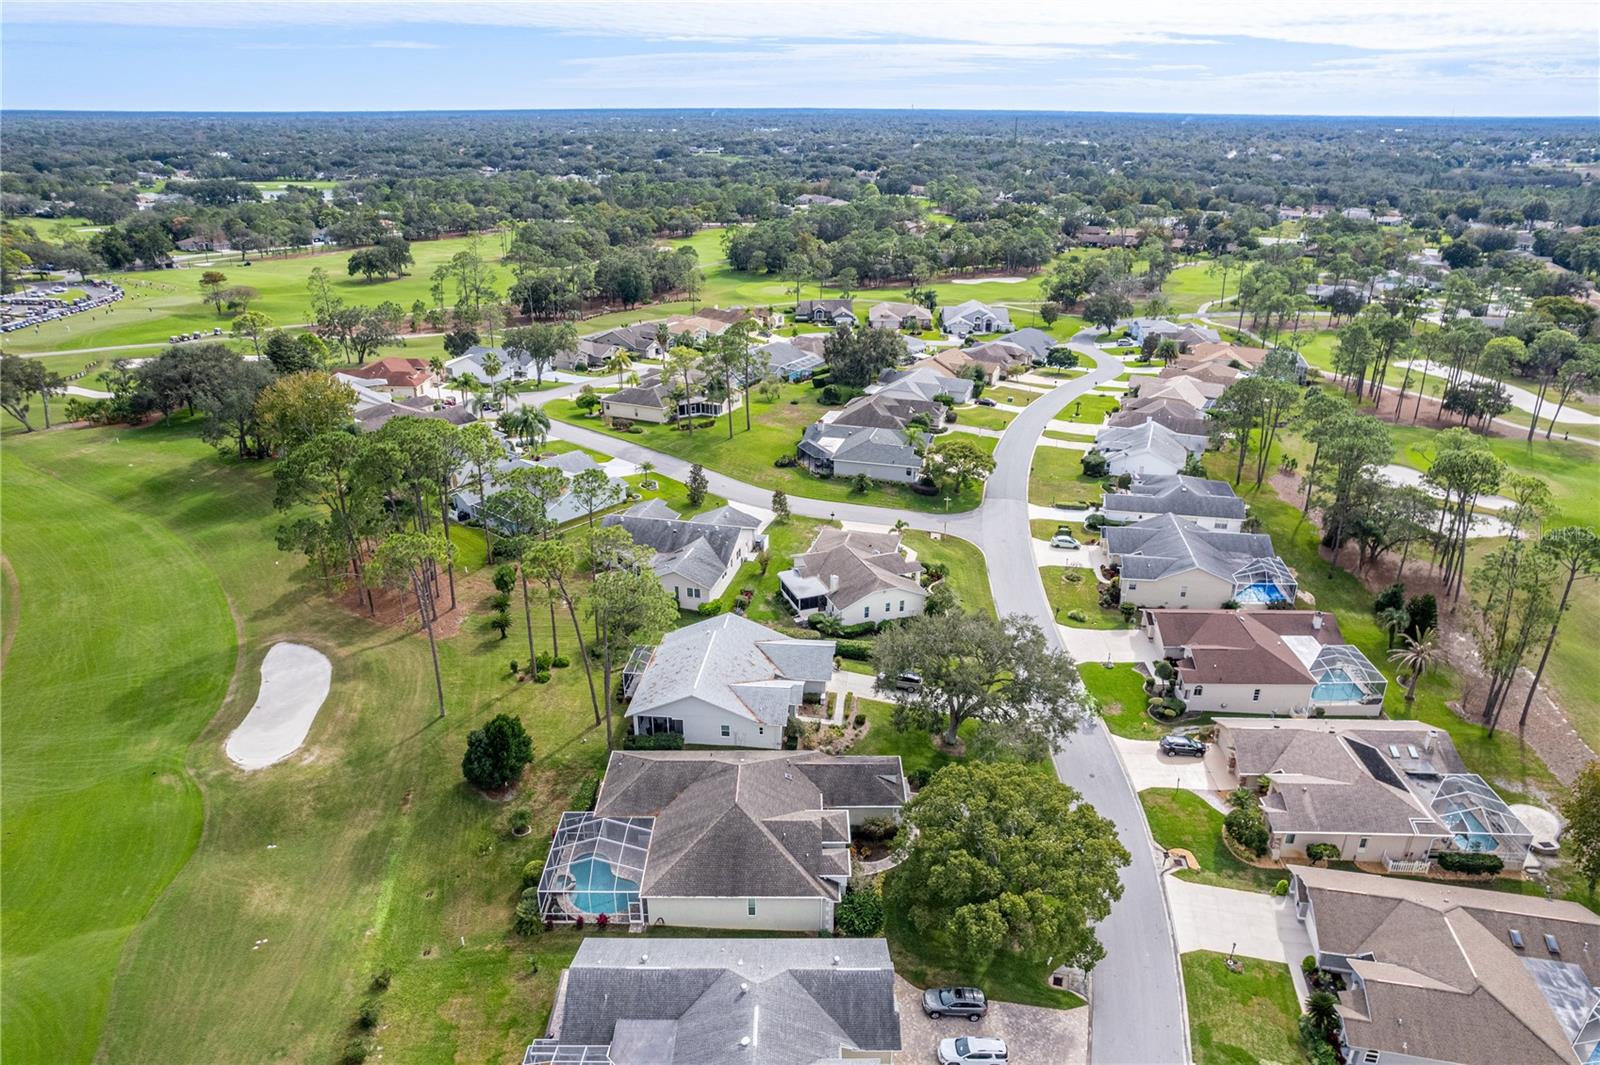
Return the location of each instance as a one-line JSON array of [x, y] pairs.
[[599, 889], [1262, 593], [1476, 838], [1338, 688]]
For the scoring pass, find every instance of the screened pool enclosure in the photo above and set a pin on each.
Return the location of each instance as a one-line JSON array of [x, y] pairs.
[[595, 866], [1480, 819]]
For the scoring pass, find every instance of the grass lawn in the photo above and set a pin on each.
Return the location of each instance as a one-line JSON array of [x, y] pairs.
[[1240, 1018], [784, 541], [775, 430], [1057, 478], [916, 749], [1081, 595], [1182, 819], [1187, 287], [133, 829], [1017, 397], [1090, 409], [1121, 695], [984, 417], [929, 961], [967, 573]]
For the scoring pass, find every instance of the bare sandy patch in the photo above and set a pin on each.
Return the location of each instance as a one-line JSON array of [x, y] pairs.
[[294, 683]]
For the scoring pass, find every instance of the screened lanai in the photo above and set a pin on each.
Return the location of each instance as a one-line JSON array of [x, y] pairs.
[[1480, 819], [1264, 580], [1343, 675], [595, 866]]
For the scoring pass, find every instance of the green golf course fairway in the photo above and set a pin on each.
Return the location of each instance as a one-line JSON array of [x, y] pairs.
[[123, 650]]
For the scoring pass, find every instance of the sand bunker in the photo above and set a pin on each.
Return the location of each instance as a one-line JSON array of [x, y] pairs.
[[294, 682]]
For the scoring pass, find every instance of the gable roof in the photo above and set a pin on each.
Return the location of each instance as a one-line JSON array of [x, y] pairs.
[[968, 312], [863, 444], [1187, 497], [923, 382], [1444, 981], [1036, 342], [1242, 646], [1170, 411], [898, 312], [1164, 545], [1149, 438], [693, 1001], [1198, 394], [395, 371], [886, 410], [698, 549], [1225, 353]]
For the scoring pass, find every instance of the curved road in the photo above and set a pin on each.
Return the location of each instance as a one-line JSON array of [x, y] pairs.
[[1137, 1008]]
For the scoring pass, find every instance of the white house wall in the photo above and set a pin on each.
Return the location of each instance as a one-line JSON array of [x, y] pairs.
[[703, 722], [899, 474], [1378, 846], [634, 412], [883, 606], [1205, 591], [776, 915], [1141, 464], [1275, 699]]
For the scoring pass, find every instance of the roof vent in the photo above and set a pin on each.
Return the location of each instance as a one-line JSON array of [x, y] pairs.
[[643, 958], [1516, 938], [744, 1041], [1550, 944], [743, 987], [836, 959]]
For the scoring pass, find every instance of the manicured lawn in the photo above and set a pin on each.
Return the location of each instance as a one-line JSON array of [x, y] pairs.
[[1121, 695], [984, 417], [1081, 595], [1057, 477], [775, 431], [968, 574], [1089, 409], [916, 749], [1017, 397], [1182, 819], [1241, 1018], [365, 852], [784, 541], [1187, 287]]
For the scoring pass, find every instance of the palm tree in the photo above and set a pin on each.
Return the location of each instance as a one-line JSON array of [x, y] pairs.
[[466, 383], [1323, 1009], [1393, 621], [537, 425], [504, 392], [1416, 656], [647, 468], [619, 364]]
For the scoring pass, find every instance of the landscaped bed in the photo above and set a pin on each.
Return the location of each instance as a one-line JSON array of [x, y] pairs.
[[1074, 596], [1182, 820], [1122, 698]]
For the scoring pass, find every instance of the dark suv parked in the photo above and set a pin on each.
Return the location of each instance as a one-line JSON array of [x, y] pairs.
[[1182, 745]]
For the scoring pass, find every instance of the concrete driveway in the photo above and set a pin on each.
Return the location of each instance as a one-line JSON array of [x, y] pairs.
[[1253, 923], [1034, 1035], [1147, 767], [1045, 555], [1103, 645]]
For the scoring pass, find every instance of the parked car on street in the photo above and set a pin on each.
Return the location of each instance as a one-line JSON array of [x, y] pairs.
[[1182, 746], [966, 1002], [972, 1050]]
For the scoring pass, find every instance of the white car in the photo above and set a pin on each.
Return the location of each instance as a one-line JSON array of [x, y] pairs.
[[971, 1050]]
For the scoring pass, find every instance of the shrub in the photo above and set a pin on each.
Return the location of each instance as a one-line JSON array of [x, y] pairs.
[[527, 920], [878, 829], [542, 661], [854, 650], [1470, 862], [1281, 888], [355, 1052], [859, 719], [1391, 598], [1308, 964], [1248, 828], [560, 662], [367, 1016], [786, 460], [497, 752], [1175, 703], [918, 778], [532, 870], [661, 741], [521, 819], [1318, 1050], [1094, 522], [505, 579], [542, 677], [499, 601], [583, 798], [1077, 615], [709, 610], [1321, 852], [1164, 670], [514, 665], [1094, 464], [1231, 604], [1128, 611], [860, 484], [859, 913]]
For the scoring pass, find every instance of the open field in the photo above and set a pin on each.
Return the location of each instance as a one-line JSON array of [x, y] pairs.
[[364, 852], [1240, 1018], [776, 427], [1187, 287]]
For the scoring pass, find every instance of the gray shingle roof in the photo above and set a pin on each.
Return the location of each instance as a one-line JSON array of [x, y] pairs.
[[1151, 438], [924, 383], [1036, 342], [852, 443], [692, 1001], [698, 549], [724, 659], [863, 562], [1187, 497], [746, 824], [1170, 411], [1162, 545]]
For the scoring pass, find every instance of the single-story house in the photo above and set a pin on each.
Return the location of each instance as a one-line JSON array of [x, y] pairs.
[[1265, 662], [973, 316], [469, 504], [995, 358], [588, 354], [695, 558], [754, 840], [889, 315], [1198, 394], [817, 199], [396, 375], [1036, 342], [705, 1001], [641, 340], [1168, 562], [789, 361], [1209, 504], [726, 681], [858, 577], [1214, 372], [1172, 412], [1440, 972], [698, 326], [1147, 450], [651, 400], [887, 410], [1248, 357], [826, 312], [1378, 791], [471, 362], [812, 343], [923, 383], [1184, 334], [375, 416], [846, 450]]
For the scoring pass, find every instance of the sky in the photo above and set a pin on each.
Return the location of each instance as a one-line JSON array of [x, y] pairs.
[[1311, 57]]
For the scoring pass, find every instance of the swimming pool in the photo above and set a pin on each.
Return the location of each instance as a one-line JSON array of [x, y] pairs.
[[1337, 687], [1261, 592], [1476, 837], [598, 889]]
